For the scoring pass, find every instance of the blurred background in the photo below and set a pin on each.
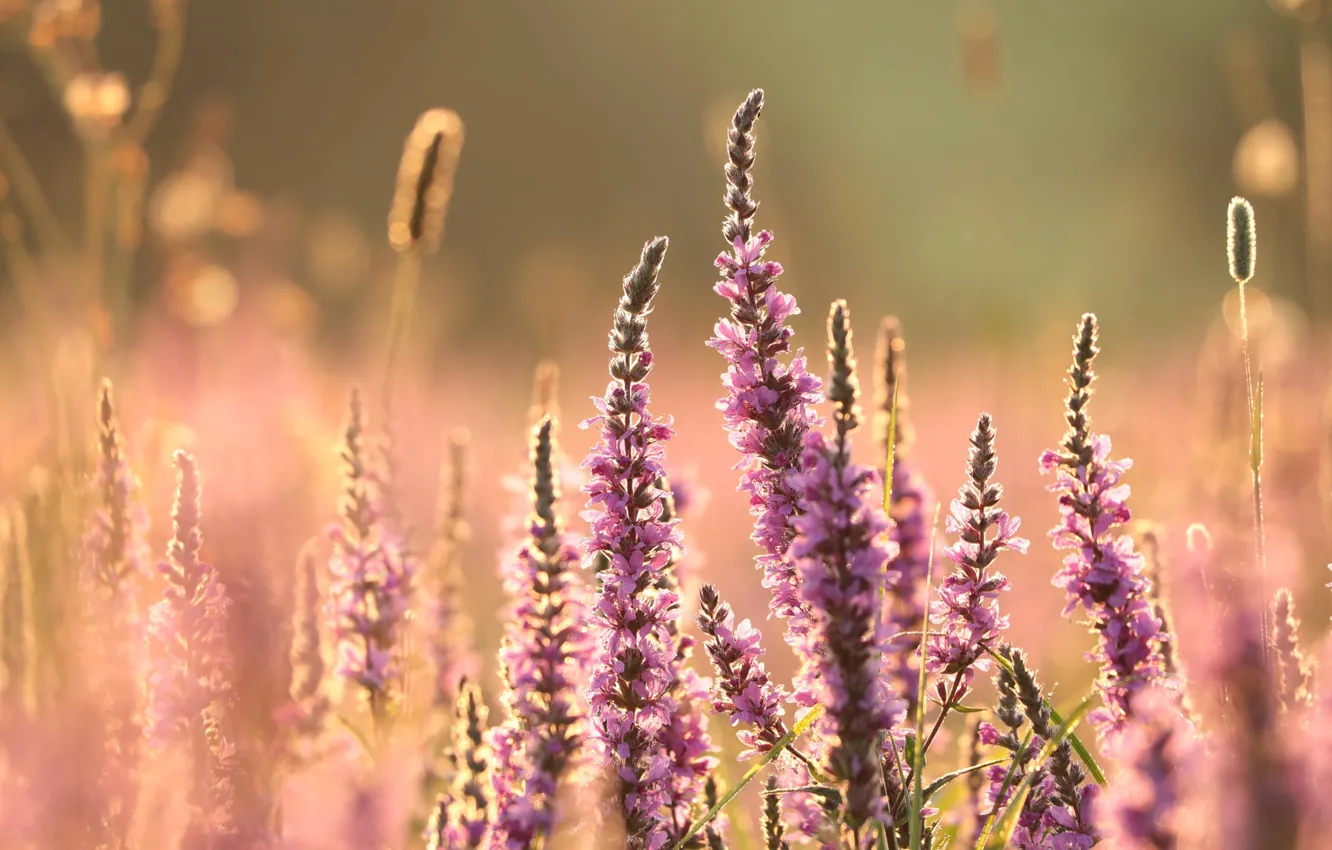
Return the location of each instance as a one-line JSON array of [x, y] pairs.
[[986, 171]]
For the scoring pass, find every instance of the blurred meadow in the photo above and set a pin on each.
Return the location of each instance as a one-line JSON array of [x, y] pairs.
[[193, 198]]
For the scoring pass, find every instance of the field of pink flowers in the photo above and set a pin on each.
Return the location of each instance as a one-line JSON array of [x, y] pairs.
[[226, 622]]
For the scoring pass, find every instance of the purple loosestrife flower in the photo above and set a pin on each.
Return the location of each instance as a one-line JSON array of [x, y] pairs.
[[841, 549], [188, 688], [462, 816], [912, 505], [1063, 798], [371, 574], [967, 610], [768, 406], [634, 666], [309, 704], [1293, 669], [1158, 752], [685, 737], [1257, 802], [742, 689], [544, 653], [1102, 573], [115, 556]]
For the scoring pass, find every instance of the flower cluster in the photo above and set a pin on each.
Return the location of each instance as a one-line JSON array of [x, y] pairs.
[[742, 688], [841, 549], [635, 664], [544, 653], [1102, 574], [371, 574], [967, 610], [768, 406]]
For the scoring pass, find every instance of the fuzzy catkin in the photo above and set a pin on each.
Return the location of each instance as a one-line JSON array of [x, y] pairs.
[[425, 181], [1241, 240]]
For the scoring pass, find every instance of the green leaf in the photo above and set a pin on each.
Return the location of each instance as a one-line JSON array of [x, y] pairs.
[[796, 731], [915, 821], [937, 785], [967, 709]]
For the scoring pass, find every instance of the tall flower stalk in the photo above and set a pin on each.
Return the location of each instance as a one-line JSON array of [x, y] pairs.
[[841, 549], [742, 689], [1242, 255], [768, 406], [544, 654], [371, 574], [911, 505], [1102, 574], [967, 609], [116, 556], [634, 666], [452, 654], [463, 812], [189, 687]]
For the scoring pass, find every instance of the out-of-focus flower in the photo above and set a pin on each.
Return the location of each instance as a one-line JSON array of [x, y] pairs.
[[1267, 160], [1158, 754], [97, 101], [116, 557], [238, 214], [336, 251], [189, 687], [371, 577], [56, 20], [462, 816], [201, 294]]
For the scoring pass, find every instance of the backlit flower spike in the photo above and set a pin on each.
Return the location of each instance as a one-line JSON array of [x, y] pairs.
[[841, 550], [634, 661], [768, 408], [544, 654], [966, 611], [1103, 574]]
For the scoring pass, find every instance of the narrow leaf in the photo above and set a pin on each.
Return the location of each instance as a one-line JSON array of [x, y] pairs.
[[937, 785], [796, 731]]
